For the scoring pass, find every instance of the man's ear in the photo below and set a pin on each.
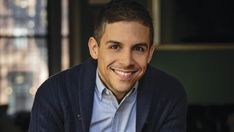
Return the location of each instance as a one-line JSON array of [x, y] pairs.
[[151, 52], [93, 47]]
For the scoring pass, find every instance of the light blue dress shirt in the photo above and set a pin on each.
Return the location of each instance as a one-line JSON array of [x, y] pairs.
[[109, 115]]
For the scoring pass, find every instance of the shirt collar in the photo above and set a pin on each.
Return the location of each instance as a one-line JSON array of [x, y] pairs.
[[100, 87]]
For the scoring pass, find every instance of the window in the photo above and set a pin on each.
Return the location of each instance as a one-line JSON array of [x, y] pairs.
[[65, 36], [23, 52], [194, 22]]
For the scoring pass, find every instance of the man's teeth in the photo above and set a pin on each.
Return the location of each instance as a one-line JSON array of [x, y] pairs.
[[123, 73]]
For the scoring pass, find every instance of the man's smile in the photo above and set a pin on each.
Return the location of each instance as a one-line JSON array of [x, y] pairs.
[[124, 74]]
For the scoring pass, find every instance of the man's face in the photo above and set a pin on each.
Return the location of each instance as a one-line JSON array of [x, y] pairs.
[[122, 55]]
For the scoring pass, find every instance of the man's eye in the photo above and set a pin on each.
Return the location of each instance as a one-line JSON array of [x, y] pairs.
[[114, 46], [141, 49]]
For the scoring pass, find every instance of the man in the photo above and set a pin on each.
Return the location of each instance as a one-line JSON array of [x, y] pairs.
[[117, 90]]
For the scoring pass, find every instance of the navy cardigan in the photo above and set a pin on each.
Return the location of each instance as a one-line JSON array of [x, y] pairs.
[[63, 103]]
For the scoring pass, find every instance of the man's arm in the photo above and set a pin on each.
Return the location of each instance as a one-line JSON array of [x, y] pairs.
[[45, 114], [176, 120]]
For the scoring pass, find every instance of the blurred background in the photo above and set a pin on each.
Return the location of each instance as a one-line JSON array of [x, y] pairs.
[[195, 40]]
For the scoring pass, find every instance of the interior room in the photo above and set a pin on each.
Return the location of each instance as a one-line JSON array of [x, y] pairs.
[[194, 40]]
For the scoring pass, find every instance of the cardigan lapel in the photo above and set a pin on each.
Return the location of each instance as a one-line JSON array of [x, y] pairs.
[[144, 95], [86, 92], [86, 87]]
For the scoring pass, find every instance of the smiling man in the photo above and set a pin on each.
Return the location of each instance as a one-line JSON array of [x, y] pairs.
[[122, 55], [117, 90]]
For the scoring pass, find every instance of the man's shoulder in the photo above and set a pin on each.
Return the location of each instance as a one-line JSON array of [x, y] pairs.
[[153, 73], [75, 71], [70, 78], [162, 81]]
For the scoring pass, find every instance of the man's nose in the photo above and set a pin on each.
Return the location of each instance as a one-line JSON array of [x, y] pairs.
[[126, 58]]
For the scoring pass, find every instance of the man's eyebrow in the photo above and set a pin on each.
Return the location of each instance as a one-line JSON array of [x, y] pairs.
[[136, 44], [142, 44], [113, 42]]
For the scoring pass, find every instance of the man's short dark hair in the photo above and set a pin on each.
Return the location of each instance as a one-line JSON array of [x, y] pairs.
[[122, 10]]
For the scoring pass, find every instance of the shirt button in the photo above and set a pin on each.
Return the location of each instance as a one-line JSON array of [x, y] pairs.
[[120, 109], [79, 116], [107, 92]]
